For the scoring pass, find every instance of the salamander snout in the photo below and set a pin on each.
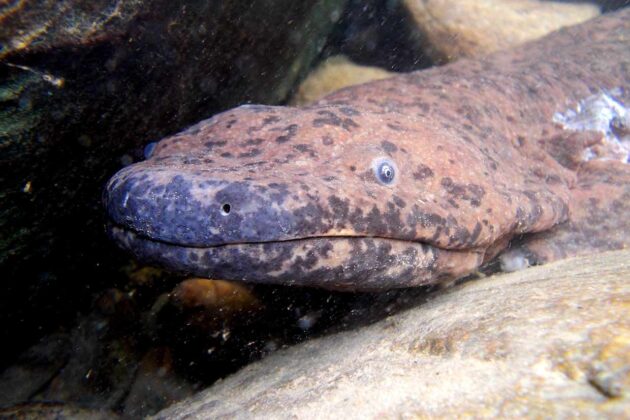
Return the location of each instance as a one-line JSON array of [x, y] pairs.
[[194, 209]]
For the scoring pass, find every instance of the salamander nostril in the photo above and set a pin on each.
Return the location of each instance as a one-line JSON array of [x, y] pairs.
[[225, 209]]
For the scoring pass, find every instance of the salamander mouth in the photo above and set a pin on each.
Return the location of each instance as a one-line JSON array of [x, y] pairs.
[[115, 230], [357, 263]]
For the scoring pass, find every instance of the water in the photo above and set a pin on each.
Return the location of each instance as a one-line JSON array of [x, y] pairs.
[[86, 88]]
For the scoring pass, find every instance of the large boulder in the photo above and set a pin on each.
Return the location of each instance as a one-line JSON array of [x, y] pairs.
[[552, 341], [469, 28], [336, 72]]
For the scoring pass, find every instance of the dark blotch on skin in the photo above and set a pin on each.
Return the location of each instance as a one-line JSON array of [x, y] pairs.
[[305, 148], [349, 112], [475, 233], [212, 144], [459, 236], [399, 201], [340, 209], [325, 249], [424, 107], [252, 142], [285, 160], [418, 216], [472, 193], [250, 153], [290, 131], [388, 146], [553, 179], [270, 120], [422, 172], [327, 141], [535, 210], [330, 118]]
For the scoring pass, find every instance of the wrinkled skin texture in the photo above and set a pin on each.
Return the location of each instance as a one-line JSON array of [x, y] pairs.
[[301, 196]]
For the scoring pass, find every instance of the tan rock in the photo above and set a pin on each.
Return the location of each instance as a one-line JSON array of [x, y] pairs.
[[551, 341], [333, 74], [469, 28], [212, 304]]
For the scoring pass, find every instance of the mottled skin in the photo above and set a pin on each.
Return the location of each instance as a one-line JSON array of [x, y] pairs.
[[293, 196]]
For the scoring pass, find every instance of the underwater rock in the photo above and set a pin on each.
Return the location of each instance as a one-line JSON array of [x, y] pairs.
[[211, 305], [82, 83], [100, 370], [34, 369], [333, 74], [549, 341], [218, 296], [156, 385], [57, 411], [101, 364], [378, 33], [463, 28]]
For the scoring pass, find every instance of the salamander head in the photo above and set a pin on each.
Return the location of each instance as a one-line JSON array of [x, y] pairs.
[[320, 196]]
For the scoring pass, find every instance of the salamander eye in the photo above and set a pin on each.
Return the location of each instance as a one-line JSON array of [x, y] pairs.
[[385, 171]]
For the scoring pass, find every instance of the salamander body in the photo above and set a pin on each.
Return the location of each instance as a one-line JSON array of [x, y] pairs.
[[412, 180]]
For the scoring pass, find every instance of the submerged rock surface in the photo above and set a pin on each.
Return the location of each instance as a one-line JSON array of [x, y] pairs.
[[335, 73], [549, 341], [463, 28]]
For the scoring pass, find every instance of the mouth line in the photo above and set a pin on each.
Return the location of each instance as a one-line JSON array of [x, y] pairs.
[[142, 236]]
